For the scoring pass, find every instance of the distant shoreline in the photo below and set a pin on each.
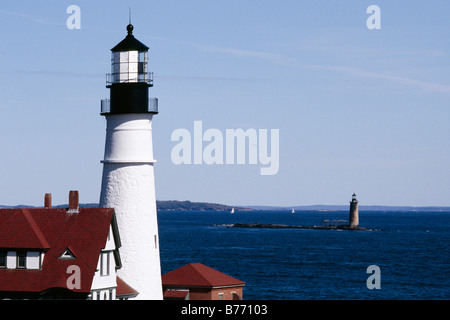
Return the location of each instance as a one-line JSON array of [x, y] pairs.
[[175, 205]]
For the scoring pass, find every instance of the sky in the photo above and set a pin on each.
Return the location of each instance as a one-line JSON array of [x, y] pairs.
[[357, 109]]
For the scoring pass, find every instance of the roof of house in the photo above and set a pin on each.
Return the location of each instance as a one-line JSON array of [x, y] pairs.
[[53, 231], [176, 294], [198, 275], [123, 290]]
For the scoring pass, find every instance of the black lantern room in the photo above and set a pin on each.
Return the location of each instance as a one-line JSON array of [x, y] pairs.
[[129, 79]]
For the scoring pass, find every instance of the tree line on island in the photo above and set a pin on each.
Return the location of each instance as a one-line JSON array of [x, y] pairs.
[[175, 205]]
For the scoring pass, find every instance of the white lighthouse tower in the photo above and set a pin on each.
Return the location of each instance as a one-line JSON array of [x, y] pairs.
[[128, 183]]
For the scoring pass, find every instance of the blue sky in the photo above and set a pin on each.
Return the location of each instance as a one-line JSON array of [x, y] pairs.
[[358, 110]]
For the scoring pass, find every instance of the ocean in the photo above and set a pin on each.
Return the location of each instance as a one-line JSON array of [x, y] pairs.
[[411, 250]]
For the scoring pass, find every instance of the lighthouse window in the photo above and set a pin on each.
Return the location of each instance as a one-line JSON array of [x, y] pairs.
[[141, 67], [123, 56], [132, 67], [133, 56], [142, 56], [123, 67], [116, 67]]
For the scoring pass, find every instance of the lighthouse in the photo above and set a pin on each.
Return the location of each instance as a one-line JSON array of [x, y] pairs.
[[128, 182], [353, 220]]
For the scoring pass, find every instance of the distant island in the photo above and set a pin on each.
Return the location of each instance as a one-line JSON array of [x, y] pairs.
[[174, 205]]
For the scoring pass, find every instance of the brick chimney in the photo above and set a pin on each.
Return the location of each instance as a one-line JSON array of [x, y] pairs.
[[48, 201], [73, 202]]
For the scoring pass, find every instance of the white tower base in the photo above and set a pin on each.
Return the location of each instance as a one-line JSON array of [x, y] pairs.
[[128, 186]]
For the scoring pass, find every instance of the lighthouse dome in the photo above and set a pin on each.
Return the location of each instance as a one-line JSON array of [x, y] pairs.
[[130, 43]]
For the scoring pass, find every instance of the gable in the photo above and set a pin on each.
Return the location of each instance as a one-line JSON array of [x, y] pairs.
[[67, 254]]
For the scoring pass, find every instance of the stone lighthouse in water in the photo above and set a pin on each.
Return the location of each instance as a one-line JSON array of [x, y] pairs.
[[353, 220], [128, 183]]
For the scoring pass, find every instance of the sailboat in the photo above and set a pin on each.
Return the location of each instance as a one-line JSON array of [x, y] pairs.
[[232, 210], [293, 211]]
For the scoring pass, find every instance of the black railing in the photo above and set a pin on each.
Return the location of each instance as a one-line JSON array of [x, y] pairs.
[[131, 77]]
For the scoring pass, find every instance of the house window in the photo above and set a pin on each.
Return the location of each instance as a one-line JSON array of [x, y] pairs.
[[220, 296], [2, 259], [33, 260], [104, 264], [21, 260]]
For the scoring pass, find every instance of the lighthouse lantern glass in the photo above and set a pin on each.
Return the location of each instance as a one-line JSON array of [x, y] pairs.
[[129, 66]]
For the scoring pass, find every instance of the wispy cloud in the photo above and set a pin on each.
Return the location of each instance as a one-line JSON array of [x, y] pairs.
[[272, 57], [24, 15], [430, 87], [281, 59], [55, 73], [28, 16], [206, 78]]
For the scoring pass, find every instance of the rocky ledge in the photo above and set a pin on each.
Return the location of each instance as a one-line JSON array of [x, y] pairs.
[[284, 226]]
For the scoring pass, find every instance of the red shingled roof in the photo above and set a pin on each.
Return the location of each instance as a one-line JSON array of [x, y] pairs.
[[124, 290], [198, 275], [176, 294], [53, 231]]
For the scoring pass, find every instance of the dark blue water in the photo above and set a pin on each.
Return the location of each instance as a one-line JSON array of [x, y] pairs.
[[412, 251]]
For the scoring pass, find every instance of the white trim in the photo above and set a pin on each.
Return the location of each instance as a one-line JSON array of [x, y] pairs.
[[130, 161]]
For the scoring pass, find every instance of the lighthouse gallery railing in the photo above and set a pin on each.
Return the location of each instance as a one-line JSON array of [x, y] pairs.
[[129, 77]]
